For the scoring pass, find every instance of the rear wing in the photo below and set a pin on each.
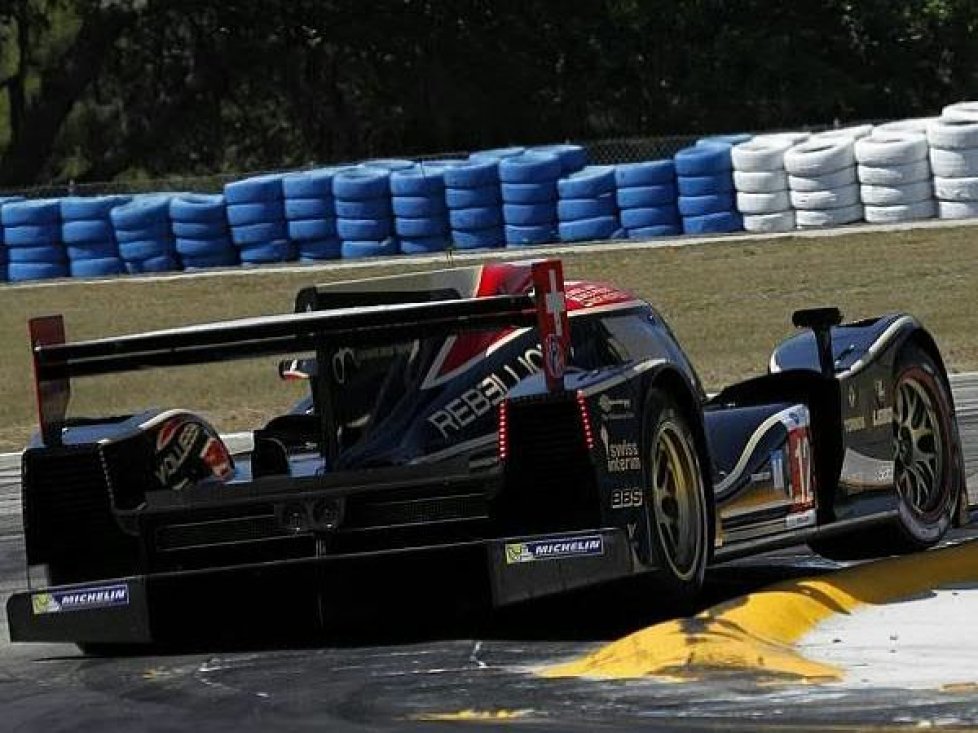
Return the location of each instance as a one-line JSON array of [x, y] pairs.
[[56, 362]]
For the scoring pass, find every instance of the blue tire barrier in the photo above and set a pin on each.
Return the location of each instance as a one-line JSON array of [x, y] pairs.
[[519, 236], [199, 230], [488, 238], [319, 249], [390, 164], [221, 259], [10, 199], [425, 245], [96, 267], [587, 182], [258, 233], [651, 216], [312, 184], [527, 214], [90, 207], [529, 193], [31, 235], [497, 154], [31, 212], [731, 140], [42, 253], [254, 189], [354, 230], [256, 213], [21, 271], [163, 263], [92, 250], [357, 184], [646, 173], [586, 208], [86, 230], [279, 250], [466, 198], [144, 249], [529, 168], [572, 157], [312, 229], [584, 230], [355, 249], [158, 230], [204, 247], [141, 213], [718, 223], [619, 233], [198, 208], [427, 180], [705, 185], [703, 160], [473, 174], [635, 197], [660, 230], [709, 204], [377, 208], [413, 207], [308, 208], [420, 227], [476, 217], [442, 163]]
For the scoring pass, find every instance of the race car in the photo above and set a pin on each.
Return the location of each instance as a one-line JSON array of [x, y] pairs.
[[548, 437]]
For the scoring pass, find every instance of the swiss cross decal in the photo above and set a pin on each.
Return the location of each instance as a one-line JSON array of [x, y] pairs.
[[548, 286]]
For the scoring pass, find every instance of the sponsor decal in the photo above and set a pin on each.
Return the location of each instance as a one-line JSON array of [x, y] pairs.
[[882, 416], [777, 470], [554, 549], [174, 444], [615, 408], [880, 389], [178, 442], [800, 460], [761, 477], [215, 455], [627, 498], [852, 397], [853, 424], [622, 455], [591, 295], [554, 354], [80, 599], [475, 402]]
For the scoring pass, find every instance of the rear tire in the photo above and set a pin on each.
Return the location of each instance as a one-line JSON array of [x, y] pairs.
[[923, 466], [677, 510]]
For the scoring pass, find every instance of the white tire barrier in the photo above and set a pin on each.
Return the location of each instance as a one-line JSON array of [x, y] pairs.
[[782, 221], [760, 154], [925, 209], [818, 156], [957, 209], [834, 179], [853, 133], [961, 111], [913, 124], [953, 134], [830, 198], [763, 203], [894, 175], [956, 189], [760, 181], [828, 217], [908, 193], [954, 163], [793, 137], [890, 148]]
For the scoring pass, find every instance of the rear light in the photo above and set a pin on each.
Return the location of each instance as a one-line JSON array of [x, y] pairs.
[[585, 420], [503, 430]]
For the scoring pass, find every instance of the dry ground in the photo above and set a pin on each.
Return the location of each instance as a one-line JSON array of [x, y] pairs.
[[728, 303]]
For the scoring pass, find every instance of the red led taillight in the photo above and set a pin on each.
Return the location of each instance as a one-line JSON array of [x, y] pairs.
[[585, 420], [503, 430]]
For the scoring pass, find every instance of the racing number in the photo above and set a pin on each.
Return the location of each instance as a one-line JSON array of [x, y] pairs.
[[626, 498]]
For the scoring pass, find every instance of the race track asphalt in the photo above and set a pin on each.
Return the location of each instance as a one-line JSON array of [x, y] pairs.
[[446, 669]]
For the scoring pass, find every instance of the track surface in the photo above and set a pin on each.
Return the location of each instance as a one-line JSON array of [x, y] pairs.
[[392, 678]]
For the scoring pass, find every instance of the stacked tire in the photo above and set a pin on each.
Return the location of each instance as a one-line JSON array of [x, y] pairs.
[[761, 182], [824, 189], [472, 195], [586, 209], [529, 193], [364, 218], [200, 229], [310, 213], [32, 236], [3, 246], [646, 196], [573, 158], [256, 215], [420, 212], [142, 229], [89, 237], [894, 177], [953, 140], [704, 177]]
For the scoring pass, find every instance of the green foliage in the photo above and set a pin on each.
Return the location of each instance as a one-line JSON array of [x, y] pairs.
[[96, 89]]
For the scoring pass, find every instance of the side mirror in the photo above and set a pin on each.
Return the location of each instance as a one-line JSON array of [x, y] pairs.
[[820, 320]]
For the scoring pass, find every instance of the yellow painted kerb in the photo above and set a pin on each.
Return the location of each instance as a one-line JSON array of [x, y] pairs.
[[757, 633]]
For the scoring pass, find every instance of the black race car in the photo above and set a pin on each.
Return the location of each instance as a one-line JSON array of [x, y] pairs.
[[549, 437]]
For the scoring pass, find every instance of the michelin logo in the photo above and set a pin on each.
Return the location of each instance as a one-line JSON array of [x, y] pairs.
[[80, 599], [520, 552]]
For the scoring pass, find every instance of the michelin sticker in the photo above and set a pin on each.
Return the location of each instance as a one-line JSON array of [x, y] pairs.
[[80, 599], [520, 552]]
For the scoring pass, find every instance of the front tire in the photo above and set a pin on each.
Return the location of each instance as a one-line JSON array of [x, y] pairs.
[[677, 510]]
